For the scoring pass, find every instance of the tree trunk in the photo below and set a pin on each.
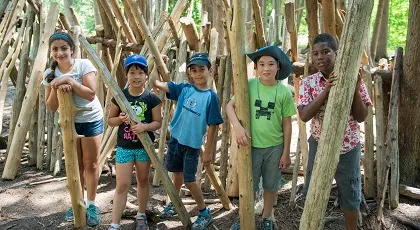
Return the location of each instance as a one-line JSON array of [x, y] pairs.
[[337, 112], [219, 18], [377, 26], [13, 160], [328, 16], [410, 102], [381, 49], [246, 194], [224, 149], [259, 29]]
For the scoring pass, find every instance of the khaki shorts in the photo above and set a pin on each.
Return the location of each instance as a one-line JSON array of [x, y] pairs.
[[265, 163]]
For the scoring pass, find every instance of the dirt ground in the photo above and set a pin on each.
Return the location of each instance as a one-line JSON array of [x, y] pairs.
[[42, 206]]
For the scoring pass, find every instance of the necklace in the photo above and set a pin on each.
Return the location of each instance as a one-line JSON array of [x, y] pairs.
[[270, 105]]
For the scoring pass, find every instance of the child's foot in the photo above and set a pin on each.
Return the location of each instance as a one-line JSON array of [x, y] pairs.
[[267, 224], [113, 228], [204, 219], [69, 215], [168, 212], [93, 216], [142, 223], [236, 225]]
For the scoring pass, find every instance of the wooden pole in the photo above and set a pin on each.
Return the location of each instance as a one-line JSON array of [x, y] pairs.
[[224, 149], [368, 160], [13, 159], [50, 128], [337, 112], [41, 129], [392, 133], [123, 21], [33, 135], [131, 21], [108, 42], [220, 192], [190, 31], [246, 192], [67, 112], [380, 136], [144, 137], [328, 16], [163, 71], [259, 30]]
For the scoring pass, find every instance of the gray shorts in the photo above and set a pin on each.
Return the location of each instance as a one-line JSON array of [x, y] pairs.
[[347, 176], [265, 163]]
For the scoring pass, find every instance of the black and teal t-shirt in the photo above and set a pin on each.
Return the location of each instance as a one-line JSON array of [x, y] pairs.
[[142, 106]]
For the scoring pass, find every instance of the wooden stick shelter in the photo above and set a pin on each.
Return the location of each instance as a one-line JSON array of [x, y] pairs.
[[337, 112]]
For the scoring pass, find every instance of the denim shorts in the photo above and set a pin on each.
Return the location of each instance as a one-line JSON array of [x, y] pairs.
[[90, 129], [182, 158], [265, 163], [128, 155], [347, 176]]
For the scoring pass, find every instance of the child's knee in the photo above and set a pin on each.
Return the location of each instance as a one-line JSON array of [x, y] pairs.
[[122, 187], [143, 182]]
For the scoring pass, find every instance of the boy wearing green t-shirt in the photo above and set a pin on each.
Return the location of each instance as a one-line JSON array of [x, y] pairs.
[[271, 107]]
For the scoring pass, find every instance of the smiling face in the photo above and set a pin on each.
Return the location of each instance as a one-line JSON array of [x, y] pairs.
[[323, 58], [267, 68], [200, 75], [61, 51], [136, 76]]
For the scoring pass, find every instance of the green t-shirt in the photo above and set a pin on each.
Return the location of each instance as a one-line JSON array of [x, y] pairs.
[[267, 112]]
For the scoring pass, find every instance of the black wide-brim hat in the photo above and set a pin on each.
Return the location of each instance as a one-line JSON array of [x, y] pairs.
[[279, 55]]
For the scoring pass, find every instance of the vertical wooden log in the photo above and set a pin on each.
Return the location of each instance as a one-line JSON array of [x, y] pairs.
[[380, 136], [291, 28], [50, 128], [337, 112], [67, 111], [123, 21], [392, 134], [232, 183], [376, 28], [368, 159], [381, 48], [59, 155], [246, 194], [76, 30], [13, 159], [41, 129], [219, 18], [190, 31], [144, 137], [33, 135], [261, 42], [54, 138], [224, 151], [328, 16], [131, 21]]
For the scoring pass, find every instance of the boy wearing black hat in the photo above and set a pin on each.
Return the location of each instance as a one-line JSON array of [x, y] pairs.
[[198, 107], [271, 108]]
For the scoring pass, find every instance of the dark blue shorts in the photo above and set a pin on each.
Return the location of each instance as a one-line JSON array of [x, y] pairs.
[[90, 129], [182, 158]]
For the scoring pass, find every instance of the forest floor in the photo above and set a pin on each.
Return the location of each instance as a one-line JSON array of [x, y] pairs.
[[42, 206]]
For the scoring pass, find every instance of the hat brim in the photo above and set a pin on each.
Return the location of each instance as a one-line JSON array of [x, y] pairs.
[[198, 62], [137, 63], [277, 53]]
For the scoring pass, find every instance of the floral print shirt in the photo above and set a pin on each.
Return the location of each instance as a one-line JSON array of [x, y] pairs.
[[310, 88]]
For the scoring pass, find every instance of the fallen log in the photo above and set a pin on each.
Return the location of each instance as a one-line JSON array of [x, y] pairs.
[[409, 191], [107, 42]]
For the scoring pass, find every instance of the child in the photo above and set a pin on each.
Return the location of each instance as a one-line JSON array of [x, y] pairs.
[[271, 107], [78, 76], [130, 150], [313, 96], [197, 108]]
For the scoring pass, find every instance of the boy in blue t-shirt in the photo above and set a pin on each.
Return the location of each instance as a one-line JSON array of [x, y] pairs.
[[198, 107]]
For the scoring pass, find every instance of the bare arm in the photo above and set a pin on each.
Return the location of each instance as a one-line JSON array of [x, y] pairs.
[[152, 126], [358, 108], [51, 99], [287, 138], [85, 90], [161, 85], [115, 118], [210, 144], [242, 135]]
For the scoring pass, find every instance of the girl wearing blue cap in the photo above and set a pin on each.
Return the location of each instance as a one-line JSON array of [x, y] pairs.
[[130, 150], [78, 76], [271, 107]]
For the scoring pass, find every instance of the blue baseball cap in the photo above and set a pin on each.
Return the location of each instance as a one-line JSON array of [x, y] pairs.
[[278, 54], [200, 59], [136, 59]]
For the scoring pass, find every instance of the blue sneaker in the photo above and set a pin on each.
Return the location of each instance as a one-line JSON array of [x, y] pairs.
[[141, 223], [69, 215], [267, 224], [168, 212], [203, 220], [93, 216]]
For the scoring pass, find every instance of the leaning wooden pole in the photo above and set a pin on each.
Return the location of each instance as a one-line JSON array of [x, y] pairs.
[[67, 112], [22, 126], [337, 112], [144, 137], [240, 80], [392, 133]]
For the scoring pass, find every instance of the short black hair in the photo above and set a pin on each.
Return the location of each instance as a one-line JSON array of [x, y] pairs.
[[137, 67], [329, 40]]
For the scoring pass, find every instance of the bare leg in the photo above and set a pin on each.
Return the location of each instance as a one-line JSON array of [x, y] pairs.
[[178, 179], [91, 147], [81, 166], [269, 198], [124, 173], [351, 219], [196, 193], [142, 176]]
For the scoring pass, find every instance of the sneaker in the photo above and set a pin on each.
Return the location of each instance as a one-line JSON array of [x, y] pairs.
[[236, 225], [168, 212], [69, 215], [142, 223], [93, 216], [203, 220], [267, 224]]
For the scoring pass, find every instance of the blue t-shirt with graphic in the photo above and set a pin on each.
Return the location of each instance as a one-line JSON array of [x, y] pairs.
[[142, 106], [195, 110]]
